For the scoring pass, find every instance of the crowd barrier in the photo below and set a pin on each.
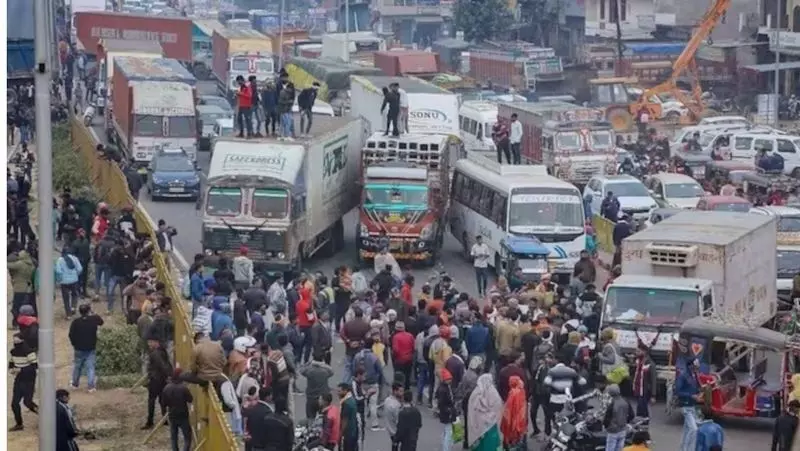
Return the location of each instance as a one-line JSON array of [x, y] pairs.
[[211, 428], [604, 233]]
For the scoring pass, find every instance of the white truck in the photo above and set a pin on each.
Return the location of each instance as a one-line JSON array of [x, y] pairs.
[[716, 264], [284, 201], [431, 109], [242, 53]]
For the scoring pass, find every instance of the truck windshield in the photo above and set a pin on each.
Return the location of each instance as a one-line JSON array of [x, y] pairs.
[[569, 140], [545, 211], [270, 203], [788, 263], [182, 127], [650, 305], [259, 65], [789, 224], [224, 201], [148, 126], [601, 140], [396, 196]]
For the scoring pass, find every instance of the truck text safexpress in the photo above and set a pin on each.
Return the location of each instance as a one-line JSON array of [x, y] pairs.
[[716, 264], [240, 52]]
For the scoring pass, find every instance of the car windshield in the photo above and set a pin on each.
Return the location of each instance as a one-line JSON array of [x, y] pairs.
[[385, 196], [789, 224], [735, 207], [650, 305], [570, 140], [211, 118], [270, 203], [174, 164], [224, 201], [216, 101], [683, 190], [532, 212], [788, 263], [601, 140], [706, 139], [627, 189]]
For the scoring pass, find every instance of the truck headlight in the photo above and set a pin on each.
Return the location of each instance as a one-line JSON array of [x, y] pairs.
[[427, 232], [363, 230], [281, 255]]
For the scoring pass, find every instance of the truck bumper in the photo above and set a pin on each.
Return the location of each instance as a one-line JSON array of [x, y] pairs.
[[412, 249]]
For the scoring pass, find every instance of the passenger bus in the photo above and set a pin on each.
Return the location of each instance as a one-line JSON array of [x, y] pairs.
[[497, 200], [476, 119]]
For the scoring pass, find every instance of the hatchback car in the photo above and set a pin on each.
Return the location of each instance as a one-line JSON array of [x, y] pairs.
[[677, 190], [173, 175], [634, 198]]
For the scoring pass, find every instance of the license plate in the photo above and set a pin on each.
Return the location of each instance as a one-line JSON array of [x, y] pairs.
[[176, 190]]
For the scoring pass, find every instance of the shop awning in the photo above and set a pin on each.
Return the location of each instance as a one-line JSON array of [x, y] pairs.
[[770, 67]]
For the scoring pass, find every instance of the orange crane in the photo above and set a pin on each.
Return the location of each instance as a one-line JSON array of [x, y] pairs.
[[684, 62]]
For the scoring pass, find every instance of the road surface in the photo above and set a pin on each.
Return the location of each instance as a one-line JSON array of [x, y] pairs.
[[740, 435]]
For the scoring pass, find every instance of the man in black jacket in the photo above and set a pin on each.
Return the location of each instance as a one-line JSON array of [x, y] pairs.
[[280, 427], [83, 337], [24, 364], [255, 418], [159, 370], [305, 102], [176, 397], [783, 434], [409, 422], [392, 100]]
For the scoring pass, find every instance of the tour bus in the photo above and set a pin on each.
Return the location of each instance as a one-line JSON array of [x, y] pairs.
[[476, 119], [497, 200]]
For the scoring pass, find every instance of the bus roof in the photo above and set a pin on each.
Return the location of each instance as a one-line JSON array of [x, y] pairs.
[[507, 177]]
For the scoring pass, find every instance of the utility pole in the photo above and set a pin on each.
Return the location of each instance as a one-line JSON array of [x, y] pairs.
[[620, 47], [44, 136], [777, 101], [347, 31], [280, 34]]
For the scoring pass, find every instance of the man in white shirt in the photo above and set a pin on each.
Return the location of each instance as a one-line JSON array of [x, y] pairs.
[[480, 254], [515, 138], [403, 110]]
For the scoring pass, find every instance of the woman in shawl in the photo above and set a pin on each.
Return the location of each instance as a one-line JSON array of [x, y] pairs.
[[483, 419], [514, 424], [465, 389]]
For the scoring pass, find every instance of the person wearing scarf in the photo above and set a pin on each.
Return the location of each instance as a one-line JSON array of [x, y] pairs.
[[515, 416], [483, 419], [465, 389]]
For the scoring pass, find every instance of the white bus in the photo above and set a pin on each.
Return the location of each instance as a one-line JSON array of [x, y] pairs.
[[476, 119], [494, 201]]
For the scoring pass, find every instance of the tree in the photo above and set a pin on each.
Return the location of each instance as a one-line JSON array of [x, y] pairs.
[[481, 20], [542, 15]]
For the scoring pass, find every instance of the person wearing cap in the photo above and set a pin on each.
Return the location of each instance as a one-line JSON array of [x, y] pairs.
[[446, 406], [24, 365], [242, 268], [440, 351], [28, 325], [176, 397], [644, 381]]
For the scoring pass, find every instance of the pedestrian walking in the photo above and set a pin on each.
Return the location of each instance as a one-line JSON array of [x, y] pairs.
[[176, 397], [480, 254], [83, 337], [514, 424], [485, 412], [159, 370], [445, 404], [687, 390], [66, 429], [68, 270], [318, 375], [350, 424], [24, 365], [409, 423], [391, 414]]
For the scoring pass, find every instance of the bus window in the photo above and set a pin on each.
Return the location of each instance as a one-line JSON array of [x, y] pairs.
[[486, 202], [499, 210]]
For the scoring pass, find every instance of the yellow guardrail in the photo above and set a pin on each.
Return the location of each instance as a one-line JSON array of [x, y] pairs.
[[212, 431], [604, 233]]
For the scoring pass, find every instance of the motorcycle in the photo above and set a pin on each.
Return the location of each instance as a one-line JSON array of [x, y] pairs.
[[305, 439]]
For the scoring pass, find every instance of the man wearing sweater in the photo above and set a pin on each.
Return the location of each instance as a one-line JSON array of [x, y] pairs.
[[83, 337]]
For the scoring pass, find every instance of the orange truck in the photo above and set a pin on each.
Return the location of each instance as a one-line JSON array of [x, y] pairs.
[[242, 52]]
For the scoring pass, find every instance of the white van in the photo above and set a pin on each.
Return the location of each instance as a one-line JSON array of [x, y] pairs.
[[744, 146], [476, 119], [725, 120]]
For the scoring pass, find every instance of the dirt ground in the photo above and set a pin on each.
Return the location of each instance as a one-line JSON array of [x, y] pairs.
[[114, 416]]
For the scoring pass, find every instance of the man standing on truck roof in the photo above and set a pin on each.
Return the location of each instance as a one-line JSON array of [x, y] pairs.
[[500, 138], [257, 117], [244, 102], [392, 100], [269, 100], [305, 102], [515, 139]]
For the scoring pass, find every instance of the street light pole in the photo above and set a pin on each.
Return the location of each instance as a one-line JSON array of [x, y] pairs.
[[42, 75], [777, 102], [280, 34], [347, 31]]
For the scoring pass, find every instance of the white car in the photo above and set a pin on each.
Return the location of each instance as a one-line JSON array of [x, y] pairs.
[[726, 120], [671, 109], [634, 198], [677, 190]]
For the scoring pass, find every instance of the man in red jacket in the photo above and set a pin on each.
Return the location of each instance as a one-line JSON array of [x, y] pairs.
[[305, 319], [244, 104], [403, 352]]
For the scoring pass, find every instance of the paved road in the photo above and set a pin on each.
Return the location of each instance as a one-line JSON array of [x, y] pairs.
[[741, 435]]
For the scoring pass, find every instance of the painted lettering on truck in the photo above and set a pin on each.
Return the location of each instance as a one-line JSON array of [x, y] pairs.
[[134, 35], [173, 33]]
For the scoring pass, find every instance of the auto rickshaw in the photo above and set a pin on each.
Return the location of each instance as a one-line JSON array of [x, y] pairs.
[[526, 253], [734, 366], [729, 170], [760, 184], [695, 162]]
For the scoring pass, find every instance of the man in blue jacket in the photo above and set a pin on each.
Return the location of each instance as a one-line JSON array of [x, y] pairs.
[[710, 435], [687, 390]]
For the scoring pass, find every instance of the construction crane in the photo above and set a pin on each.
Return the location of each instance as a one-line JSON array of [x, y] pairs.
[[686, 62]]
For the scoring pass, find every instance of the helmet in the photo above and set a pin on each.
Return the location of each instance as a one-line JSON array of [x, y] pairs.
[[241, 344]]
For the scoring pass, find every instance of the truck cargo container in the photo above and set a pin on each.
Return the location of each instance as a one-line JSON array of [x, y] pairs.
[[284, 201], [395, 63], [720, 265], [202, 32], [21, 57], [240, 52], [110, 49], [431, 109], [405, 192], [173, 33], [154, 107], [575, 143], [289, 37], [521, 69]]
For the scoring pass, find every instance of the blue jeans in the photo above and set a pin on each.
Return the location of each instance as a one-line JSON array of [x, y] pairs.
[[24, 134], [447, 437], [689, 428], [84, 359], [482, 276], [101, 275], [69, 294], [287, 124], [348, 369], [112, 283], [615, 441], [422, 379]]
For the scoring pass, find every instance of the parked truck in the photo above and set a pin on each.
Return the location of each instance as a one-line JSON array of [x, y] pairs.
[[240, 52], [107, 51], [404, 196], [431, 109], [19, 44], [284, 201], [520, 68], [575, 143], [174, 34], [154, 108], [716, 264], [396, 63]]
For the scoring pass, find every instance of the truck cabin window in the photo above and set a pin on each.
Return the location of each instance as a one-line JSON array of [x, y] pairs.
[[270, 203], [259, 65], [600, 140], [651, 305], [568, 141], [148, 126], [182, 127], [789, 224], [224, 202], [788, 263], [544, 213], [382, 196]]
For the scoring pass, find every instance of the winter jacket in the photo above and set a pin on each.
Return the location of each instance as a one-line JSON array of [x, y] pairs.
[[21, 269], [219, 322], [373, 371], [286, 100], [686, 388], [202, 320], [66, 275], [305, 101], [197, 287], [402, 348], [269, 99], [242, 269]]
